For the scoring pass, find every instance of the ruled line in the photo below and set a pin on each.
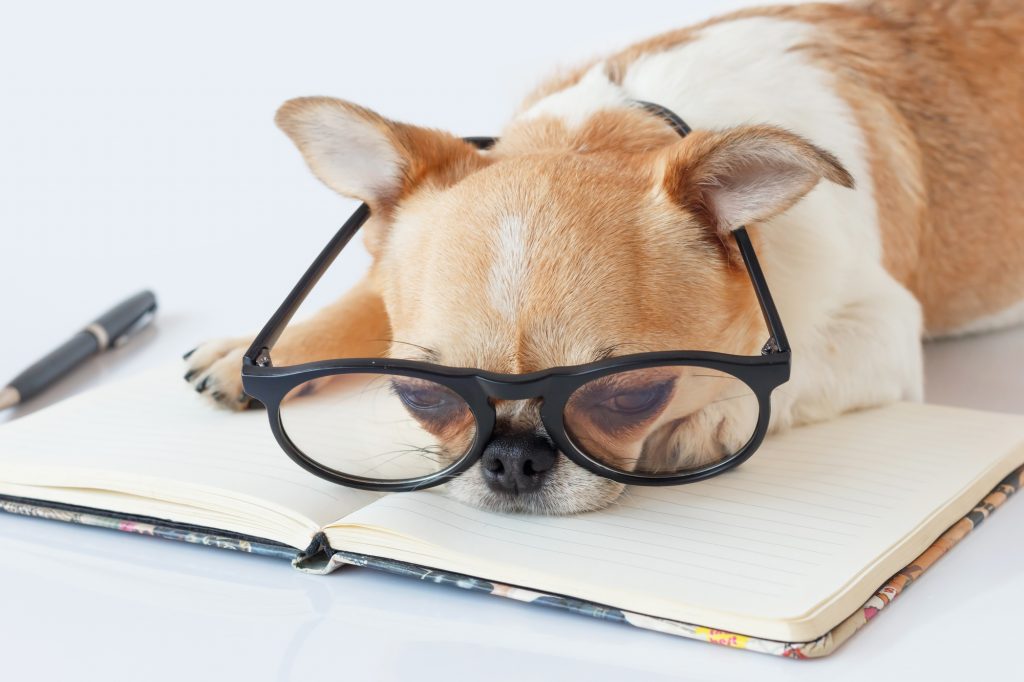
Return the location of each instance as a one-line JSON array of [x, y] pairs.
[[385, 503], [715, 484], [737, 514]]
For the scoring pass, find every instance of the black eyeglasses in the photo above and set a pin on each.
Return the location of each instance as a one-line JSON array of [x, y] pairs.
[[658, 418]]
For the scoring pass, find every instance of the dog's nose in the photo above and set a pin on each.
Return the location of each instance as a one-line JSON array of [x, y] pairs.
[[517, 463]]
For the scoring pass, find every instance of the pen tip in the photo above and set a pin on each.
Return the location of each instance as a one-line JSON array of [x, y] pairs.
[[9, 397]]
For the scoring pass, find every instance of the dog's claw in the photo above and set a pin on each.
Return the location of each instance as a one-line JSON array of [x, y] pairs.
[[213, 370], [187, 355]]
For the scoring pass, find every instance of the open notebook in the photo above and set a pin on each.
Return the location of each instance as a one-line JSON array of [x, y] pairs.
[[788, 554]]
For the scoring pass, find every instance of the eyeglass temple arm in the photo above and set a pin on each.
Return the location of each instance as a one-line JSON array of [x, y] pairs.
[[777, 342], [259, 351]]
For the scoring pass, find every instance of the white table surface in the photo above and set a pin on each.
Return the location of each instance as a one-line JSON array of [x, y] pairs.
[[136, 149]]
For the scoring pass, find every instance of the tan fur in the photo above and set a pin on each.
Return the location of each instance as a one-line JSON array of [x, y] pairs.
[[575, 239], [356, 325]]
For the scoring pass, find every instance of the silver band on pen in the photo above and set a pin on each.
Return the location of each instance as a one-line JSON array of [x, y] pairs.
[[102, 337]]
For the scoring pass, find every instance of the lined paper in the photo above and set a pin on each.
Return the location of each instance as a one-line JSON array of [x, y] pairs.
[[152, 436], [814, 516], [783, 547]]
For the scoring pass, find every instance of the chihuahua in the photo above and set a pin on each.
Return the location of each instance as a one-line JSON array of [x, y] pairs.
[[874, 151]]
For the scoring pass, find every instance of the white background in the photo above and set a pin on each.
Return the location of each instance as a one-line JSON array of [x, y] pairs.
[[137, 150]]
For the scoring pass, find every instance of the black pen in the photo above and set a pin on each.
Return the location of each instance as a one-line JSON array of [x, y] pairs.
[[109, 330]]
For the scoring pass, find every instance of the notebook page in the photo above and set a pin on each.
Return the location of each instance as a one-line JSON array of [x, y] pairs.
[[151, 436], [784, 547]]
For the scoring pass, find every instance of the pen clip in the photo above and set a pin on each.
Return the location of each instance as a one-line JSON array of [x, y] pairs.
[[136, 327]]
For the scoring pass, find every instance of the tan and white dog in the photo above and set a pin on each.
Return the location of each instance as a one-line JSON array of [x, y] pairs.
[[593, 229]]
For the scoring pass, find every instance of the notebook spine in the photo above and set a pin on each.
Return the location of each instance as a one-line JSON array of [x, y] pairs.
[[143, 525], [317, 557]]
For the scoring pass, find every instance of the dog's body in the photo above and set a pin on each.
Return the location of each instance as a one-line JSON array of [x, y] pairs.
[[591, 226]]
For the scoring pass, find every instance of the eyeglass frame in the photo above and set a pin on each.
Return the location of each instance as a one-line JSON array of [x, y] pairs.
[[269, 384]]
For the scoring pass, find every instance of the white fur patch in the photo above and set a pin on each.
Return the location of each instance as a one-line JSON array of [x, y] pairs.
[[510, 266], [575, 105], [855, 331], [822, 258], [1007, 317]]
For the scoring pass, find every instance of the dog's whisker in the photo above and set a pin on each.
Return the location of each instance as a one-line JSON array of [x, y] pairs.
[[610, 351], [402, 453], [734, 397], [433, 450], [429, 354]]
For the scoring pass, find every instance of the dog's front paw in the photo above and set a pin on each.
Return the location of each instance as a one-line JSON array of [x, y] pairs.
[[215, 370]]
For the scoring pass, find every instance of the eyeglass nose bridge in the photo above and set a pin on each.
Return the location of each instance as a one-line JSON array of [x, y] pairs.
[[520, 388]]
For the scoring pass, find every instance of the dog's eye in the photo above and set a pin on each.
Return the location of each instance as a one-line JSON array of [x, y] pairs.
[[424, 397], [638, 402]]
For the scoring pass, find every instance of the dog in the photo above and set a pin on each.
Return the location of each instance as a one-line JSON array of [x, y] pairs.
[[874, 150]]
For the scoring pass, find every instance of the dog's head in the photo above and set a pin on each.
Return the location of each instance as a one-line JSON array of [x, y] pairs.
[[561, 246]]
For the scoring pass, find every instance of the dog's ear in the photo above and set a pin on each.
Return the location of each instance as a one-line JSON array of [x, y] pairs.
[[745, 175], [361, 154]]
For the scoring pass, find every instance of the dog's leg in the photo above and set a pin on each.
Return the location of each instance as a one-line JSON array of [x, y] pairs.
[[868, 353], [356, 325]]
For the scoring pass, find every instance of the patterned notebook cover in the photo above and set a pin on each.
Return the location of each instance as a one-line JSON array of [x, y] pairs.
[[319, 558]]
